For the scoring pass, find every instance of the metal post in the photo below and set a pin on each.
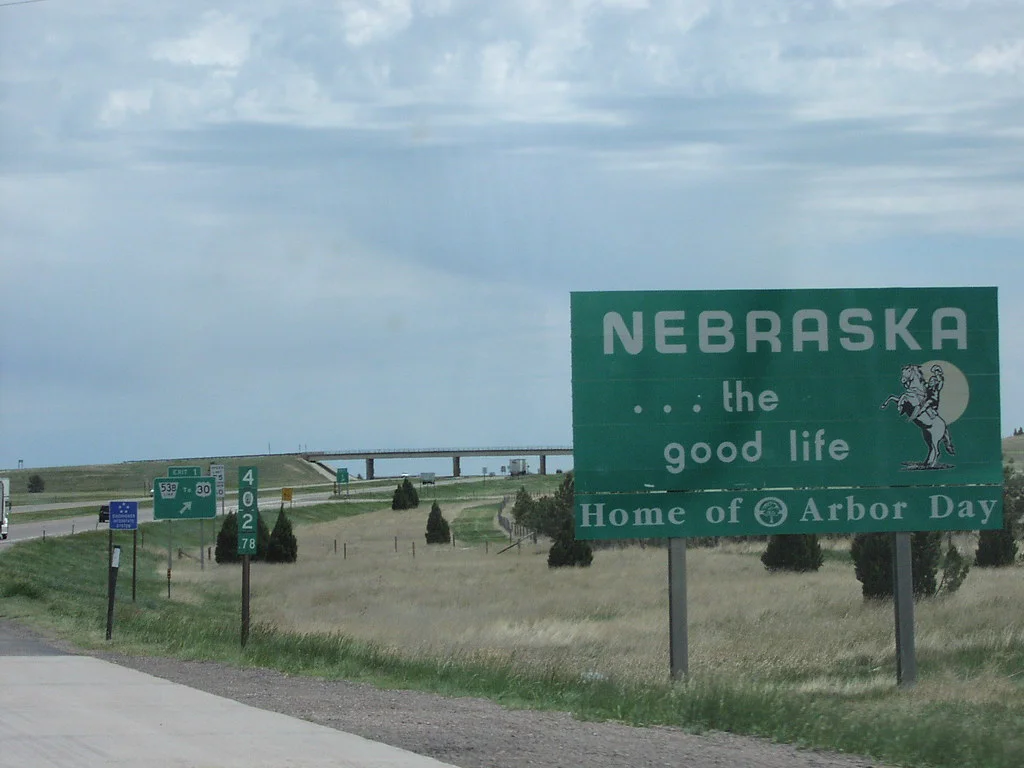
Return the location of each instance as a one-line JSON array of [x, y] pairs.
[[135, 545], [903, 606], [677, 627], [114, 563], [169, 559], [245, 599], [202, 545]]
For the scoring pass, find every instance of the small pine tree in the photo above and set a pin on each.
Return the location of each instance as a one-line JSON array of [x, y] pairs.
[[997, 548], [262, 538], [954, 570], [400, 499], [411, 494], [872, 557], [282, 546], [227, 541], [438, 531], [36, 484], [555, 518], [793, 552]]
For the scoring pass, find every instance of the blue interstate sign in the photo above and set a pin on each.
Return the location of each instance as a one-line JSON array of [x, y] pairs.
[[124, 515]]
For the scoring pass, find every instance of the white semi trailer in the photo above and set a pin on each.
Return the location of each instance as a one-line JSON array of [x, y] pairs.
[[5, 506], [517, 467]]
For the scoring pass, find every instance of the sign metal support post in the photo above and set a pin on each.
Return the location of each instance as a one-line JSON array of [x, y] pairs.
[[248, 536], [677, 627], [903, 607]]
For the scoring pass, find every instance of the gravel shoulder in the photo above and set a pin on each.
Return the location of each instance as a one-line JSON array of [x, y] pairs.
[[477, 733]]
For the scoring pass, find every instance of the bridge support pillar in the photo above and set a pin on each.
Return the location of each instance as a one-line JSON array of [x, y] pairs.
[[456, 466], [369, 469], [543, 464]]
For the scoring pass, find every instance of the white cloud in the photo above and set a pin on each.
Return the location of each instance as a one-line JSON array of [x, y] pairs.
[[373, 21], [221, 41]]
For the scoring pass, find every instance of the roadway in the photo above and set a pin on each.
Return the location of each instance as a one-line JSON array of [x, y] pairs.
[[67, 711]]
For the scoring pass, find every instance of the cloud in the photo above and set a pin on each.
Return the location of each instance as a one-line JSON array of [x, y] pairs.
[[221, 41]]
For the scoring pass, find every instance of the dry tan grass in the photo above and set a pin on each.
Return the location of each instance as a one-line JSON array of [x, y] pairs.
[[811, 630]]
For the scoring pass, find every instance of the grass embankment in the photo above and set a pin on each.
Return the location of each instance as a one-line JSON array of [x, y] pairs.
[[132, 479], [798, 658]]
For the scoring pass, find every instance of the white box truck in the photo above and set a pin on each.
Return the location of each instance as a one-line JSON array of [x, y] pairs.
[[427, 478], [517, 467], [5, 506]]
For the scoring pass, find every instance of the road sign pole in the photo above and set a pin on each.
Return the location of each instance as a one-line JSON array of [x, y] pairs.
[[114, 562], [135, 545], [677, 625], [168, 559], [245, 599], [202, 545], [903, 606]]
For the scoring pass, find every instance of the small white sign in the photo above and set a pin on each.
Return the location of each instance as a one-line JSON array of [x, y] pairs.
[[217, 472]]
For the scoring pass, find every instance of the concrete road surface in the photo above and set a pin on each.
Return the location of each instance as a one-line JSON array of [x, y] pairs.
[[64, 711]]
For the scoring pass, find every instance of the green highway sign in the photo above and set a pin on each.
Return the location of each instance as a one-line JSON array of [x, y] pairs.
[[687, 392], [248, 509], [184, 472], [342, 475], [184, 498]]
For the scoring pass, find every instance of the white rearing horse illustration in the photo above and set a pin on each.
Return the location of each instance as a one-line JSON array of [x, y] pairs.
[[920, 404]]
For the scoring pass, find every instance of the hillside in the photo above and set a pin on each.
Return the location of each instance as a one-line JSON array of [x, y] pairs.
[[136, 477], [1013, 448]]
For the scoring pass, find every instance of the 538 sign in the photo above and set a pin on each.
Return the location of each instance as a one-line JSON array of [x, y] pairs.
[[248, 510]]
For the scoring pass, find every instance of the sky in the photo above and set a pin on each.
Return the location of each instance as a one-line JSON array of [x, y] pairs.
[[238, 227]]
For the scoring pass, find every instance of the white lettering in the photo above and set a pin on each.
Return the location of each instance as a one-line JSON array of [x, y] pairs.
[[677, 516], [988, 506], [618, 517], [647, 516], [819, 333], [811, 512], [593, 518], [867, 336], [715, 515], [946, 501], [894, 328], [715, 324], [769, 335], [879, 511], [662, 332], [957, 333], [614, 324]]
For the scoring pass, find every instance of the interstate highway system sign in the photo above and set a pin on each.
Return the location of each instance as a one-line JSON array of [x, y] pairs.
[[724, 413], [184, 498]]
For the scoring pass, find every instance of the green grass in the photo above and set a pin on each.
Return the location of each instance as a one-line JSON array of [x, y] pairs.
[[135, 478], [475, 525], [60, 585], [54, 514], [1013, 449]]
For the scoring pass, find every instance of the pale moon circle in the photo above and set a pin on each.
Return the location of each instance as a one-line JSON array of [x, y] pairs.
[[956, 392]]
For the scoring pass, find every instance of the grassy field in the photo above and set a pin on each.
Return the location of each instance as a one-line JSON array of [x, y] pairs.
[[1013, 448], [135, 478], [798, 658]]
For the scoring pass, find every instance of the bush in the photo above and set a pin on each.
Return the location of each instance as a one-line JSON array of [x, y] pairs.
[[282, 546], [405, 496], [998, 548], [227, 540], [798, 552], [438, 531], [36, 484], [954, 570], [567, 551], [872, 558]]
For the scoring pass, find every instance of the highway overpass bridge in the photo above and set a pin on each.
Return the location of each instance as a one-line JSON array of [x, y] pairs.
[[455, 454]]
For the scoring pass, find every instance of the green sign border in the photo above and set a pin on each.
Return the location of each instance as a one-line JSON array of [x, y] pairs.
[[247, 534], [203, 507], [674, 405]]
